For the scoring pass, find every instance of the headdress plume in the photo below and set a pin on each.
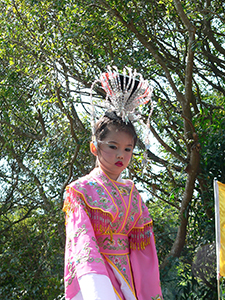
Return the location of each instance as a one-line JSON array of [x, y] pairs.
[[125, 92]]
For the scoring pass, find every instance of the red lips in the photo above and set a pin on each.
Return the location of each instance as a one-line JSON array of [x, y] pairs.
[[119, 164]]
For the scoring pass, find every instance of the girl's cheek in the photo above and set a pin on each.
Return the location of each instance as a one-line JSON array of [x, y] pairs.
[[129, 158]]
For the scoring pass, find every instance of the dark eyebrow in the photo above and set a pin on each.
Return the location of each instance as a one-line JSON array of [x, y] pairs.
[[113, 142]]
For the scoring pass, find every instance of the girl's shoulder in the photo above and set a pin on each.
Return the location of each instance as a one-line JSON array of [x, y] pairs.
[[80, 181]]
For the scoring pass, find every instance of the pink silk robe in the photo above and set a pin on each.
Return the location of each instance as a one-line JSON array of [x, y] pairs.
[[109, 232]]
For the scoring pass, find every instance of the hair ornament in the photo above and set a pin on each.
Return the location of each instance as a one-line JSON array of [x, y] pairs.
[[125, 93]]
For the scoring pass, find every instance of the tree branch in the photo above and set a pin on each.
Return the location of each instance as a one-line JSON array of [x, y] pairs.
[[28, 171], [174, 153], [193, 171], [70, 171], [155, 158], [148, 45], [29, 135], [189, 65]]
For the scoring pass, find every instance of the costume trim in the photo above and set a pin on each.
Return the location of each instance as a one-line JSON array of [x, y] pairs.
[[141, 237], [117, 209], [116, 268], [92, 207], [128, 207], [96, 192], [117, 294]]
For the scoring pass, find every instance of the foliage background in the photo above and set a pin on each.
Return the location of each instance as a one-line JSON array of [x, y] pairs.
[[50, 53]]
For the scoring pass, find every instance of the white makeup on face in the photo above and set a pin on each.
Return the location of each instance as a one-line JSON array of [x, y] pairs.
[[115, 152]]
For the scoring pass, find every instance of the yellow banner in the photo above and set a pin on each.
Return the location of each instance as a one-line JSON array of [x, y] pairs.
[[221, 188]]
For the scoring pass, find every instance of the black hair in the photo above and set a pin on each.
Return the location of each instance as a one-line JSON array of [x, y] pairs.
[[110, 118]]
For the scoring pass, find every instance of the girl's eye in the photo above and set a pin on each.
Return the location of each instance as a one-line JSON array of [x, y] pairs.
[[112, 147], [128, 149]]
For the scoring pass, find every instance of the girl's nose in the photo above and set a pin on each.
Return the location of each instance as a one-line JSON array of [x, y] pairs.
[[120, 155]]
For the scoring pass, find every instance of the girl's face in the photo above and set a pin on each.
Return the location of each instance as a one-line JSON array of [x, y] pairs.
[[114, 152]]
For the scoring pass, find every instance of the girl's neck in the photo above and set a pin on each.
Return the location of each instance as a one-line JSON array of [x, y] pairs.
[[118, 179]]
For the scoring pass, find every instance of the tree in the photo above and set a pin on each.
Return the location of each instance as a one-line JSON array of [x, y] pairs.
[[50, 53]]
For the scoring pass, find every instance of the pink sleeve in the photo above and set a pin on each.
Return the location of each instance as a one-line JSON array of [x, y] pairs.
[[145, 269], [82, 254]]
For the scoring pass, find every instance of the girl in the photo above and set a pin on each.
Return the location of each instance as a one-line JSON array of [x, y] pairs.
[[110, 250]]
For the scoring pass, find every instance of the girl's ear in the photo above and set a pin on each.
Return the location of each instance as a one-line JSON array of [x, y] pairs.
[[93, 148]]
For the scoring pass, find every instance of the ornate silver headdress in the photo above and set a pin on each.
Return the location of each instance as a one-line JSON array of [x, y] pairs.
[[124, 94]]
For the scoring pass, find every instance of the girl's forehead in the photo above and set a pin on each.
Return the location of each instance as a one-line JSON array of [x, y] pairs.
[[119, 136]]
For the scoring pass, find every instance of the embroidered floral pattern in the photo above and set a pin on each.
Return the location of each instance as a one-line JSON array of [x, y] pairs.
[[121, 262], [75, 235], [121, 194], [73, 261], [83, 255], [124, 190], [80, 231], [97, 260], [113, 244], [105, 203], [133, 213], [119, 219]]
